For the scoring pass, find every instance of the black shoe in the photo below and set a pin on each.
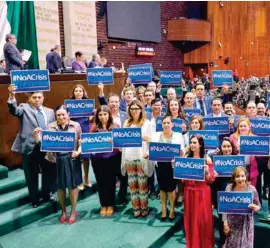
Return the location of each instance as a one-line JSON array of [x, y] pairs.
[[162, 219], [49, 198], [35, 204]]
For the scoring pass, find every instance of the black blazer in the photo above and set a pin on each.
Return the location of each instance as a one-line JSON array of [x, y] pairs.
[[13, 57]]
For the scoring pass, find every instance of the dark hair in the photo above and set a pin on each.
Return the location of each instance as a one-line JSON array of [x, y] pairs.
[[227, 103], [60, 107], [52, 49], [109, 126], [181, 114], [234, 151], [201, 143], [1, 61], [148, 91], [155, 101], [216, 99], [199, 84], [113, 95], [78, 54], [32, 93], [85, 96]]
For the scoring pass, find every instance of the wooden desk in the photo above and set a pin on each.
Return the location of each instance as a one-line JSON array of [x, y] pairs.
[[61, 88]]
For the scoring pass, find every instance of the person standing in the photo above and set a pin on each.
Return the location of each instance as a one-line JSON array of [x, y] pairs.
[[239, 228], [202, 101], [134, 160], [79, 93], [166, 182], [105, 164], [69, 171], [12, 55], [32, 115], [198, 214], [55, 61]]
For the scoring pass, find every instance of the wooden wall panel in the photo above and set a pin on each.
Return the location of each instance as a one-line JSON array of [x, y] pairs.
[[61, 88], [189, 30], [243, 29]]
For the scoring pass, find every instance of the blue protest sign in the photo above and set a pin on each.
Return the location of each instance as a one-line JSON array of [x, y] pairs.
[[189, 168], [221, 77], [99, 75], [177, 127], [80, 108], [191, 112], [260, 127], [30, 80], [52, 141], [210, 138], [217, 123], [254, 145], [225, 165], [140, 75], [268, 100], [96, 142], [127, 137], [170, 77], [234, 202], [163, 111], [148, 112], [145, 65], [163, 152]]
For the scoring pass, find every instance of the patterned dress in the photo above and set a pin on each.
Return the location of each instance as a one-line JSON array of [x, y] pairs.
[[241, 226]]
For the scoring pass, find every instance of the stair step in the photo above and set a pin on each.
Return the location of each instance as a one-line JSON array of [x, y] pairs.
[[124, 230], [13, 199], [3, 172], [14, 181], [24, 215]]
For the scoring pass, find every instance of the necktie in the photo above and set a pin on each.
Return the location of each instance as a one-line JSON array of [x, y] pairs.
[[202, 107], [41, 119]]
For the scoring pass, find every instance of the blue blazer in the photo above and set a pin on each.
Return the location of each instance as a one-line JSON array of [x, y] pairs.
[[13, 57], [54, 62]]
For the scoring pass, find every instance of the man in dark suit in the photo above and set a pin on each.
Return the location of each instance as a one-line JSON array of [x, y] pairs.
[[31, 116], [54, 63], [95, 62], [12, 55], [202, 101], [48, 58]]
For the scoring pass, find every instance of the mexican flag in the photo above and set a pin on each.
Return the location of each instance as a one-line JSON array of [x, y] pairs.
[[18, 17]]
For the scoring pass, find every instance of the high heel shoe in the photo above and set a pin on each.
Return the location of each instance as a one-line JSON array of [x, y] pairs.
[[63, 218], [72, 220], [172, 216]]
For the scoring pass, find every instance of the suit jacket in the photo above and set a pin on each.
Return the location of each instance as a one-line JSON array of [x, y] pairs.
[[25, 141], [48, 59], [207, 101], [13, 57], [54, 62], [123, 114], [94, 64]]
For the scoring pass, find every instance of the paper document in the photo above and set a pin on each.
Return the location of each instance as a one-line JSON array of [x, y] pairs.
[[26, 55]]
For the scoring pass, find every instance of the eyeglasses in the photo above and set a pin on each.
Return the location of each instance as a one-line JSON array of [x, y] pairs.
[[135, 109]]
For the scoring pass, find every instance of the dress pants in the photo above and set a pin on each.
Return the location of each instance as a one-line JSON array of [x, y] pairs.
[[122, 194], [32, 163], [263, 170], [104, 169]]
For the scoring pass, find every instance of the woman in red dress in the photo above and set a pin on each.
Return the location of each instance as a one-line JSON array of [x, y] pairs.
[[198, 212]]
